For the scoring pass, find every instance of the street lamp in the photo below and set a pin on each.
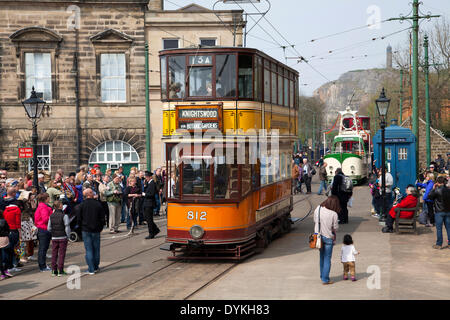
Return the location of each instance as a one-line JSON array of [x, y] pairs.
[[34, 107], [382, 104]]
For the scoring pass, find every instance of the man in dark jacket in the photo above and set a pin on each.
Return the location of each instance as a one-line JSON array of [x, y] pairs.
[[323, 177], [441, 196], [91, 218], [159, 190], [344, 196], [149, 203]]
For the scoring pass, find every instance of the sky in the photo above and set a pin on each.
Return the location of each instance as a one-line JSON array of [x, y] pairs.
[[300, 21]]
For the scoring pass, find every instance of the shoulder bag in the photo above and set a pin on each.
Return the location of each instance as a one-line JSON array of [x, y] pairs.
[[315, 240]]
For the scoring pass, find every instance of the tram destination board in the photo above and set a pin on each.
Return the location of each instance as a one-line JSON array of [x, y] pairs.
[[199, 118]]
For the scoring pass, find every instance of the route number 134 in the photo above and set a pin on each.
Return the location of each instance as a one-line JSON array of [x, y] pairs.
[[191, 215]]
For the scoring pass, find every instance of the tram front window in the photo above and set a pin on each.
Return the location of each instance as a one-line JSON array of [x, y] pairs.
[[225, 181], [196, 178], [225, 75], [200, 82]]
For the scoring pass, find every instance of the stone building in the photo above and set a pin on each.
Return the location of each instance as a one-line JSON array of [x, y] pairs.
[[438, 143], [50, 44]]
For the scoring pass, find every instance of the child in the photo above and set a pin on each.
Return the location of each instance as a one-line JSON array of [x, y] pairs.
[[348, 253], [29, 233], [59, 227], [4, 242]]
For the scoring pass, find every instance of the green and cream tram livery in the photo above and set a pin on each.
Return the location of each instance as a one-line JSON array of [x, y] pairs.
[[351, 148]]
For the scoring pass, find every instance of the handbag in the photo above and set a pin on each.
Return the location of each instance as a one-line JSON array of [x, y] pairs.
[[315, 240]]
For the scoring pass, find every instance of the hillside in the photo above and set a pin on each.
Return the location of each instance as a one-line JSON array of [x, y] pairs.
[[364, 83]]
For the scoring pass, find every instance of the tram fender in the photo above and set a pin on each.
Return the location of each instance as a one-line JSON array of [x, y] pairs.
[[167, 246]]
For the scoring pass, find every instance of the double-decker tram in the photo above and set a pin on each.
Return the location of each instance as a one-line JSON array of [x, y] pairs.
[[229, 125]]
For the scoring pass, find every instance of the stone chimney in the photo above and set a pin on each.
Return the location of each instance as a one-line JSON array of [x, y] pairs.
[[156, 5], [389, 57]]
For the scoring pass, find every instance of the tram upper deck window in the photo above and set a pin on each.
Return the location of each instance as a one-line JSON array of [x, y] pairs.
[[266, 85], [200, 76], [365, 123], [274, 87], [258, 79], [163, 78], [225, 75], [245, 76], [177, 69]]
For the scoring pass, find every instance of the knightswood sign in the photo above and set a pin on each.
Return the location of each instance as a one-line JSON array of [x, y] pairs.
[[192, 118], [198, 113]]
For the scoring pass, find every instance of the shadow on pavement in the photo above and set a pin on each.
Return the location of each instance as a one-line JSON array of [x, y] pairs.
[[10, 287]]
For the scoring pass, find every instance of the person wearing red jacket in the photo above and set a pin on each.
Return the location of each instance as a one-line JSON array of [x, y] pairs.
[[410, 201], [41, 217], [12, 215]]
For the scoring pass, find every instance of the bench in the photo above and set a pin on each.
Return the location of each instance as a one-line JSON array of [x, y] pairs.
[[406, 224]]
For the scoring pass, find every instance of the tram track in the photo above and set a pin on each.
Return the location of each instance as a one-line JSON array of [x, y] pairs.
[[160, 271]]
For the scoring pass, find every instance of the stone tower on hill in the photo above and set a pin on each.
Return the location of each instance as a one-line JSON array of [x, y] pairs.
[[389, 57]]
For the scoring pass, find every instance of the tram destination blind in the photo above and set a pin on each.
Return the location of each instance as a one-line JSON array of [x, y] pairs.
[[198, 118]]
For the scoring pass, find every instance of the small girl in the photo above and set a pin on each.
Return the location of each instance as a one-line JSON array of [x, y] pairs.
[[59, 227], [29, 233], [348, 253]]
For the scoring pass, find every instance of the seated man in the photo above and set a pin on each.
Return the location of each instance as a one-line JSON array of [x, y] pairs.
[[410, 201]]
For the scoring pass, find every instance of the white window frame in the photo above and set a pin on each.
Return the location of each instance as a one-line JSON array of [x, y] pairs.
[[119, 79], [403, 153], [115, 151], [164, 39], [42, 159], [215, 41], [36, 79]]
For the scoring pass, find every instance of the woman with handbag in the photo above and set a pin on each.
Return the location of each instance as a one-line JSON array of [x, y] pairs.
[[325, 226]]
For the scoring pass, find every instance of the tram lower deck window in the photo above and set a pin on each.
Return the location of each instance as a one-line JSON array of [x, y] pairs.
[[196, 178]]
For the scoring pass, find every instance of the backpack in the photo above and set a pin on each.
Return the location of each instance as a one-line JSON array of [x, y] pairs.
[[347, 184]]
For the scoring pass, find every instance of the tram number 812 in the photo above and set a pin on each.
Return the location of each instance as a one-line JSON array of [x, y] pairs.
[[192, 216]]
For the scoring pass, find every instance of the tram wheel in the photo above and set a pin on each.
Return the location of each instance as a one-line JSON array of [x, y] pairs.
[[286, 225]]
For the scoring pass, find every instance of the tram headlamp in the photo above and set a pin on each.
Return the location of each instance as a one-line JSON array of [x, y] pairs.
[[196, 232]]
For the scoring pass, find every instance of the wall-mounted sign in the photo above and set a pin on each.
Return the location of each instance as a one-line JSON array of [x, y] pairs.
[[393, 140], [195, 118], [25, 153]]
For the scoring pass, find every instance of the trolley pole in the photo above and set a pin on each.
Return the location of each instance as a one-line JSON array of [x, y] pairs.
[[427, 100], [415, 67], [401, 96], [147, 112]]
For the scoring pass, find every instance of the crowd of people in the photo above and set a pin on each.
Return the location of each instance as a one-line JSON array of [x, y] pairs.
[[78, 205], [433, 185]]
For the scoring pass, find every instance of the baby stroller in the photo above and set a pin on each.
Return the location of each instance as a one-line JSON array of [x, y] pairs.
[[75, 230]]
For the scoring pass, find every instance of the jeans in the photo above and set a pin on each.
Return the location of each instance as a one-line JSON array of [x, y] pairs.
[[158, 204], [44, 238], [307, 180], [430, 213], [9, 257], [2, 266], [123, 213], [92, 245], [325, 258], [130, 218], [323, 186], [440, 219]]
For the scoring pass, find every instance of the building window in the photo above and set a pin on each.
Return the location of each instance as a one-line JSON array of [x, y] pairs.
[[114, 152], [208, 42], [113, 77], [38, 73], [403, 154], [43, 155], [170, 43]]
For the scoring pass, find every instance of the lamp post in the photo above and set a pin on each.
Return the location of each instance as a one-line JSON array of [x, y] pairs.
[[382, 104], [34, 107]]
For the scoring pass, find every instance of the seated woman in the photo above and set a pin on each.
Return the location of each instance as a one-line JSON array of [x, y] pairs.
[[410, 201]]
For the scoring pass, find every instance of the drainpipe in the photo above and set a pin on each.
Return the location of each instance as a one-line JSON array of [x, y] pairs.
[[77, 99], [147, 111]]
